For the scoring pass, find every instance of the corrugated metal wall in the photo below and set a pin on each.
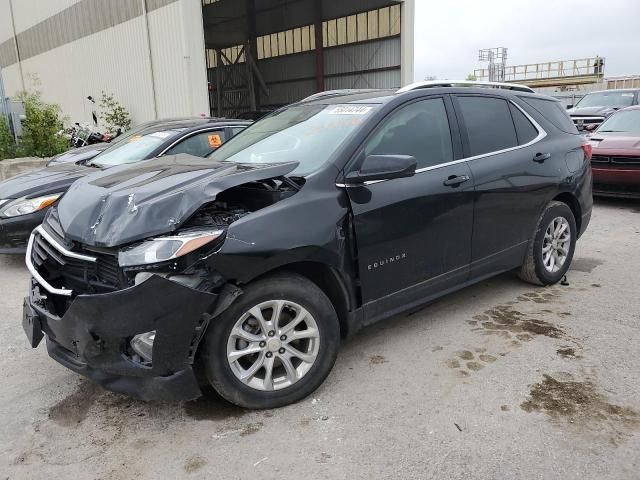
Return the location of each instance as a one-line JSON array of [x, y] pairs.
[[353, 57], [77, 48]]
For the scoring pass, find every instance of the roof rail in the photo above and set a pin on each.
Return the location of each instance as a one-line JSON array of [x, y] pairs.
[[338, 93], [465, 83]]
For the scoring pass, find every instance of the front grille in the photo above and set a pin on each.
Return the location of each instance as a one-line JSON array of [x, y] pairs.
[[82, 276], [582, 122], [600, 159], [625, 160]]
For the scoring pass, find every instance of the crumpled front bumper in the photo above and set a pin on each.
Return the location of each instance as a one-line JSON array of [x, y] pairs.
[[92, 337]]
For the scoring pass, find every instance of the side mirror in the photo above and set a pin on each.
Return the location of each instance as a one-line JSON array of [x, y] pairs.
[[383, 167], [569, 107], [590, 127]]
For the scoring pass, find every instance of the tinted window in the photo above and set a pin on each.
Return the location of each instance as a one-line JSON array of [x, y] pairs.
[[552, 111], [199, 145], [489, 124], [524, 128], [420, 130]]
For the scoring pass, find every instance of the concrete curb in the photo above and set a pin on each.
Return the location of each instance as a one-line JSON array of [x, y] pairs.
[[16, 166]]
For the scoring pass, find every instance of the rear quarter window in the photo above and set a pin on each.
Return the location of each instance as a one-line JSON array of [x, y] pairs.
[[552, 110]]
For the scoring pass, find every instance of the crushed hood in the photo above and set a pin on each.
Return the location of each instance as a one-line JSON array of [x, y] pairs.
[[134, 202], [54, 179]]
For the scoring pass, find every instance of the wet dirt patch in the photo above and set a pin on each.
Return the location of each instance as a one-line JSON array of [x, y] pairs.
[[504, 320], [193, 464], [73, 409], [212, 407], [567, 352], [504, 408], [465, 354], [437, 349], [581, 403], [453, 363], [475, 366], [377, 360], [585, 264], [251, 429], [488, 358]]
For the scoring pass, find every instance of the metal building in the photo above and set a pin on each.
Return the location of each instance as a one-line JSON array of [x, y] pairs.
[[169, 58]]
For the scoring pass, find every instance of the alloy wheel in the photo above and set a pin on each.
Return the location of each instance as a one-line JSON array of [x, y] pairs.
[[556, 244], [273, 345]]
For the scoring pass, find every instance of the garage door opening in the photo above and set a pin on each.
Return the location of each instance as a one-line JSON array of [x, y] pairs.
[[263, 54]]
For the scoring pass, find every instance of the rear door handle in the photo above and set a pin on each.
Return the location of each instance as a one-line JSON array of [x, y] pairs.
[[456, 180], [541, 157]]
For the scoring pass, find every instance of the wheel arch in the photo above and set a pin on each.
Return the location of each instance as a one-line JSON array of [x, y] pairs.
[[572, 202], [334, 285]]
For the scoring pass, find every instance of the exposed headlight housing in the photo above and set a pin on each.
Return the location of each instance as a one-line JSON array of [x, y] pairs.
[[163, 249], [25, 206]]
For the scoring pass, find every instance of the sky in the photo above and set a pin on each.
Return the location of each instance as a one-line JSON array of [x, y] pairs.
[[450, 33]]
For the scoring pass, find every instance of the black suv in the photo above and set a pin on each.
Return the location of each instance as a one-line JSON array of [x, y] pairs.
[[595, 107], [246, 269]]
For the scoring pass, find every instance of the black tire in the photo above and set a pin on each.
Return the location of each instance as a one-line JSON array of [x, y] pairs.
[[533, 270], [283, 286]]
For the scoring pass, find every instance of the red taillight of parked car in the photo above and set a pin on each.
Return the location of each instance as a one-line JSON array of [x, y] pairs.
[[588, 150]]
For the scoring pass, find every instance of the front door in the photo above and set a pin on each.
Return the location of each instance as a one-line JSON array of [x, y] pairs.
[[414, 234]]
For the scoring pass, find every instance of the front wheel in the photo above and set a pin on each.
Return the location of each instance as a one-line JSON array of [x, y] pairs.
[[275, 345], [551, 249]]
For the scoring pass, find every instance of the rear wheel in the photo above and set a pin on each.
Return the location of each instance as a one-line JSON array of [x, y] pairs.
[[551, 249], [275, 345]]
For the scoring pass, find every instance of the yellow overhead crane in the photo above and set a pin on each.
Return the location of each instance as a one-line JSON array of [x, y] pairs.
[[553, 74]]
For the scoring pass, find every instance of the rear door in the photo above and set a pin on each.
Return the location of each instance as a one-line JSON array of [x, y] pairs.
[[414, 234], [506, 155]]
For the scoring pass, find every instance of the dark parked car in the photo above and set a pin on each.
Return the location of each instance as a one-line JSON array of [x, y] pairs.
[[616, 155], [25, 199], [595, 107], [80, 155], [328, 215]]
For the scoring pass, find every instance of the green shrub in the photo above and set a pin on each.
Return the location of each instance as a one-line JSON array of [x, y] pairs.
[[7, 142], [40, 128], [113, 114]]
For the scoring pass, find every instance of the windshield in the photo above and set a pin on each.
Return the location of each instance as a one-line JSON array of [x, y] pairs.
[[607, 99], [626, 121], [132, 148], [308, 134]]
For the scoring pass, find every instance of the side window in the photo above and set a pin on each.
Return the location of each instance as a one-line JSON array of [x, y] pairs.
[[552, 110], [524, 128], [236, 130], [489, 124], [200, 144], [420, 129]]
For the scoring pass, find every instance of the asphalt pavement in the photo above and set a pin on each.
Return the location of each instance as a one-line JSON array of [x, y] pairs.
[[500, 381]]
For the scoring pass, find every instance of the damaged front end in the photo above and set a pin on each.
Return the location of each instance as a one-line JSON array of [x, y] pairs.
[[130, 315]]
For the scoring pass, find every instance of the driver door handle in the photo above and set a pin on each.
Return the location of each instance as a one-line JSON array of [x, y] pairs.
[[456, 180], [541, 157]]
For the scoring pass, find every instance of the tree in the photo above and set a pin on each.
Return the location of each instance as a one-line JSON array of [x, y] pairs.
[[471, 77], [40, 128], [113, 114], [7, 142]]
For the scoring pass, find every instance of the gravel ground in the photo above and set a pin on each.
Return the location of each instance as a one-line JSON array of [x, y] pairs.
[[499, 381]]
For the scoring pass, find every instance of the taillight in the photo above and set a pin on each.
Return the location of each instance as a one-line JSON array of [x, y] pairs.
[[588, 150]]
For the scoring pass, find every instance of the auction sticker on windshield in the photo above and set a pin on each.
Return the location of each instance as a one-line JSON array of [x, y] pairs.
[[349, 110], [215, 141]]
